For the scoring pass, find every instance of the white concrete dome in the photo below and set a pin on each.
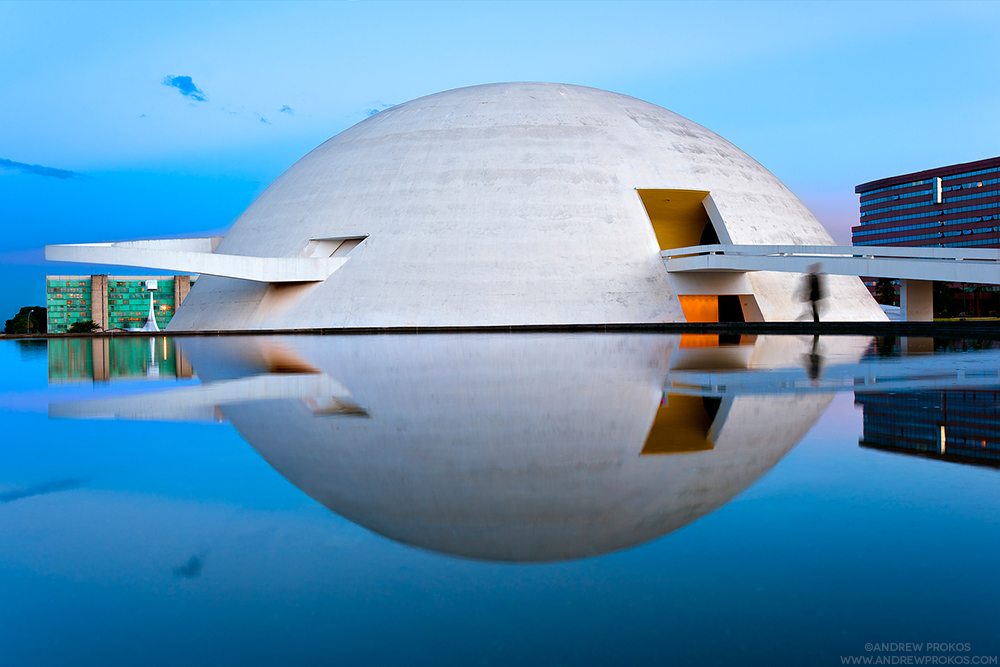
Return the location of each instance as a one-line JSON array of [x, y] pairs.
[[506, 204], [514, 447]]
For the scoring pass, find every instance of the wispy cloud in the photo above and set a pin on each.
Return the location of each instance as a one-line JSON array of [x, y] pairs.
[[38, 170], [287, 109], [186, 87], [190, 569], [377, 108], [263, 120], [41, 489]]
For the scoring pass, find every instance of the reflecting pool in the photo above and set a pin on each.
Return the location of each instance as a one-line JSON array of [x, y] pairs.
[[499, 499]]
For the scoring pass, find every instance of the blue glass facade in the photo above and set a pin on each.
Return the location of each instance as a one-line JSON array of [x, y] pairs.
[[949, 207], [962, 426]]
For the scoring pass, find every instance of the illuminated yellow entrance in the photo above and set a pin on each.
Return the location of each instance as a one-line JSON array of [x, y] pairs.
[[681, 425], [678, 217], [700, 307], [712, 308]]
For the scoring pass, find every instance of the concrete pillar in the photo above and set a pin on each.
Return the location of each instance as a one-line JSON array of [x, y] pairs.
[[101, 354], [182, 285], [916, 300], [182, 369], [912, 346], [99, 301]]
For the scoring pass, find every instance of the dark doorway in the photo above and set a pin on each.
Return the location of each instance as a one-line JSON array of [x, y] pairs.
[[708, 236], [730, 309]]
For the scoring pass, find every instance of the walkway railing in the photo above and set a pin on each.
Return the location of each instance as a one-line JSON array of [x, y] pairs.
[[971, 265]]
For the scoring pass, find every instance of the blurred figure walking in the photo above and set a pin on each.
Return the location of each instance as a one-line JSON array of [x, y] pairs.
[[813, 289]]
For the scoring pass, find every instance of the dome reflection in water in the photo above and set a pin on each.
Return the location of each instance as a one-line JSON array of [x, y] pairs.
[[503, 447]]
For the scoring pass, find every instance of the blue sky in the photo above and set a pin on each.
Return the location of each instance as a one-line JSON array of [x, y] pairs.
[[148, 119]]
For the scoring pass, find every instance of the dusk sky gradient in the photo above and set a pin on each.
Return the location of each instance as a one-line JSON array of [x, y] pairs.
[[142, 120]]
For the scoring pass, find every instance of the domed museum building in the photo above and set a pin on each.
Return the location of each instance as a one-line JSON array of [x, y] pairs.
[[507, 205]]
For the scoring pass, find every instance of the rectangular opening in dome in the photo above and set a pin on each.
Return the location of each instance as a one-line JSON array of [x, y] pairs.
[[682, 424], [720, 308], [339, 246], [700, 307], [679, 217]]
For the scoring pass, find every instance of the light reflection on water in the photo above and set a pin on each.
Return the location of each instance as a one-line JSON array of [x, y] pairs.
[[560, 453]]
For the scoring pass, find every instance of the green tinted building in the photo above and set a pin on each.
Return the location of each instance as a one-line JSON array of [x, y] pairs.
[[112, 302], [104, 359]]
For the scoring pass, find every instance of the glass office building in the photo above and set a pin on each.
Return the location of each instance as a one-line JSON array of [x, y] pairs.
[[112, 302], [950, 207], [102, 359], [962, 426]]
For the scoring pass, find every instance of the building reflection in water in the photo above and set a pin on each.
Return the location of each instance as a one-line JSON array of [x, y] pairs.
[[522, 448], [954, 425], [102, 359], [956, 421]]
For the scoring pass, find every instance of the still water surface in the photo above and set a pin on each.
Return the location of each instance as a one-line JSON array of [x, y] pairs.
[[497, 499]]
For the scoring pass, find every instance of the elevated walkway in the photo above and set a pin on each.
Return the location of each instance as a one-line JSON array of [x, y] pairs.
[[915, 267], [925, 372], [198, 255], [961, 265]]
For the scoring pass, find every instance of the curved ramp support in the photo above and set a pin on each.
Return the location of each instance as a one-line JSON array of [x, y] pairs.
[[198, 256]]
